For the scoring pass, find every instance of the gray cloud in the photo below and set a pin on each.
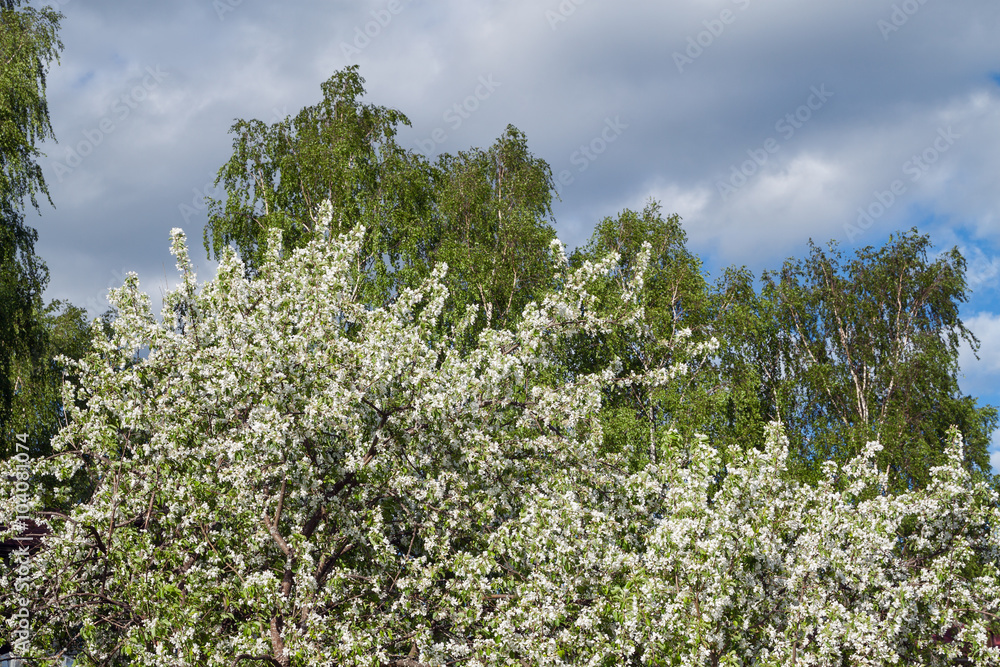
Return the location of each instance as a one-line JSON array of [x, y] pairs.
[[698, 88]]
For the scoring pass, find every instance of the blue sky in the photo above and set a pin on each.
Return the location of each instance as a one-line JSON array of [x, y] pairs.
[[763, 124]]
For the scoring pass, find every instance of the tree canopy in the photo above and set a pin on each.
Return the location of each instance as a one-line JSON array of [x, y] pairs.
[[401, 428], [271, 485], [869, 351], [340, 151], [487, 213], [28, 45]]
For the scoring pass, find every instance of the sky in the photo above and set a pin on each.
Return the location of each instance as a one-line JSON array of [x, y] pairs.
[[763, 123]]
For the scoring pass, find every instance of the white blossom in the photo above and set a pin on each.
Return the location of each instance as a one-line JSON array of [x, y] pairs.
[[371, 490]]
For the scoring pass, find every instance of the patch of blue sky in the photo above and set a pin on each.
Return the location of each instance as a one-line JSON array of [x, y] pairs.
[[84, 79]]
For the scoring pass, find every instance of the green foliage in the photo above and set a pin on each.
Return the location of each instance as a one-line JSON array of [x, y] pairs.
[[492, 226], [486, 213], [63, 332], [33, 337], [340, 151], [868, 349], [840, 353], [22, 277], [748, 369], [28, 43], [676, 306]]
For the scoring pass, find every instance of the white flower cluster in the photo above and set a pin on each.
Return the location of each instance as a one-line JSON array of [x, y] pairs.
[[294, 475]]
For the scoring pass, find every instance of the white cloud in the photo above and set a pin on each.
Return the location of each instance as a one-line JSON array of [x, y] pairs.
[[688, 203], [982, 270], [981, 376], [837, 178], [986, 327], [995, 452]]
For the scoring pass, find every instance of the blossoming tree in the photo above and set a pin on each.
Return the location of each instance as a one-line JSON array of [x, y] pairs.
[[286, 476]]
